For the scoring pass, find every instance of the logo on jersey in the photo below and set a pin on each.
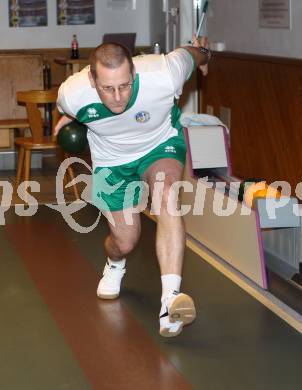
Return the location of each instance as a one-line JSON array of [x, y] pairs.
[[170, 149], [92, 113], [142, 117]]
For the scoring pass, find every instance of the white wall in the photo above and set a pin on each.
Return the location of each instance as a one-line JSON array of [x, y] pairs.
[[235, 22], [52, 36]]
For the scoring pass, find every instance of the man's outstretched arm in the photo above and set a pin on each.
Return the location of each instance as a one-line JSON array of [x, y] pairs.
[[200, 53]]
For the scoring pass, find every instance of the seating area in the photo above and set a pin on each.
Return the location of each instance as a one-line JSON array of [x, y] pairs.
[[27, 118], [33, 101], [24, 138]]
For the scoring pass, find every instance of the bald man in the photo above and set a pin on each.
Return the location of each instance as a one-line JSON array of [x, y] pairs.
[[130, 109]]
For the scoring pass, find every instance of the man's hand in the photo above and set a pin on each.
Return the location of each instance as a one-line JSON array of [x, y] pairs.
[[64, 120], [204, 43]]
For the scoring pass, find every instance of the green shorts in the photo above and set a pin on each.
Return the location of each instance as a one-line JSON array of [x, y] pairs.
[[120, 187]]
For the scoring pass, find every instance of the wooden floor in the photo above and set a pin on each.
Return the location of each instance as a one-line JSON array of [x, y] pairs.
[[56, 334]]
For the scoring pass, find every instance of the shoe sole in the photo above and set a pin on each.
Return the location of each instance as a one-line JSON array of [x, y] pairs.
[[108, 296], [183, 310], [166, 332]]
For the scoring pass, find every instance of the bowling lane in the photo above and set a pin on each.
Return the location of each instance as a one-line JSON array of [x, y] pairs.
[[235, 342]]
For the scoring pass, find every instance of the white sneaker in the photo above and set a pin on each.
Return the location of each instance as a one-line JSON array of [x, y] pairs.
[[176, 311], [110, 284]]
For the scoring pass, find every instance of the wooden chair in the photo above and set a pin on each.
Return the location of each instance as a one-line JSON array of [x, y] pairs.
[[37, 141]]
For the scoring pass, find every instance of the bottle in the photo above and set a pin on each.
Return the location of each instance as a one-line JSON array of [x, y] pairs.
[[74, 47], [156, 48]]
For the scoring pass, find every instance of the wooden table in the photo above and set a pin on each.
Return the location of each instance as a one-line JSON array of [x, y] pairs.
[[72, 66]]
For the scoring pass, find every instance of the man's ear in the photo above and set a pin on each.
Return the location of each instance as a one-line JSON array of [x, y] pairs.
[[91, 79]]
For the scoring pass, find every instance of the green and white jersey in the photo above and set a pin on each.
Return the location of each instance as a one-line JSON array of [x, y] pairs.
[[150, 118]]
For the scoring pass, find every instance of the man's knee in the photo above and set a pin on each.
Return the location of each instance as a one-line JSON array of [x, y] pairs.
[[126, 247]]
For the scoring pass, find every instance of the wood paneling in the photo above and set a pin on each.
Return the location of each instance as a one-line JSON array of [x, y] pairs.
[[19, 72], [265, 98], [48, 56], [58, 72]]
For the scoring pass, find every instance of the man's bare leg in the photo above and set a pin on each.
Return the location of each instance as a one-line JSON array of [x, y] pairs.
[[177, 309], [122, 237], [170, 233], [120, 241]]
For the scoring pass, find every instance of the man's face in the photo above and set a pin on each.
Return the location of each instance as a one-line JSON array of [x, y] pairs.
[[114, 86]]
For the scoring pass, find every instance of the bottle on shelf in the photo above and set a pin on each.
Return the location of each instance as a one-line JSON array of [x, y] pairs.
[[74, 47], [156, 48]]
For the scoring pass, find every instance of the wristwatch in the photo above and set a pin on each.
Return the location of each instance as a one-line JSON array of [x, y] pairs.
[[206, 51]]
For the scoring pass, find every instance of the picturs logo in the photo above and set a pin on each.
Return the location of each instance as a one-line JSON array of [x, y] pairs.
[[222, 205]]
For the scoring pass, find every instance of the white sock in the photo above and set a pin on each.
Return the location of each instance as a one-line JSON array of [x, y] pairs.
[[117, 263], [170, 283]]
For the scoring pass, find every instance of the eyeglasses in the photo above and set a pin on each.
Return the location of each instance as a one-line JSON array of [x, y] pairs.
[[121, 88]]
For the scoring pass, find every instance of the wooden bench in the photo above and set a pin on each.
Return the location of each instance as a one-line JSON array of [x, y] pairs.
[[14, 124], [11, 124]]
